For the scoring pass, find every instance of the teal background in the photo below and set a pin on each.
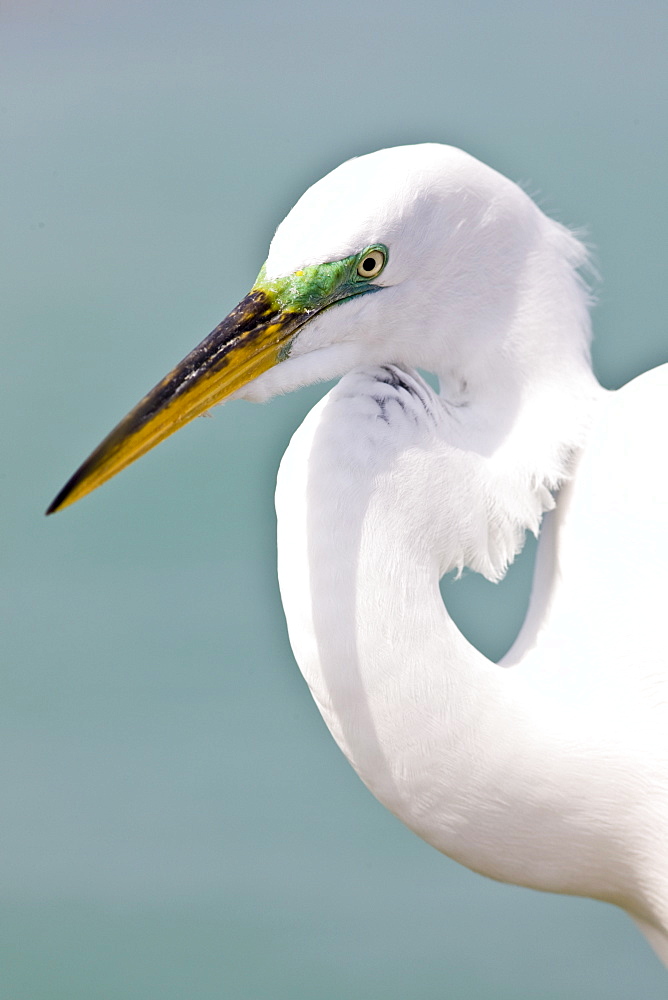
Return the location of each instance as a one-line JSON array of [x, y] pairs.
[[175, 821]]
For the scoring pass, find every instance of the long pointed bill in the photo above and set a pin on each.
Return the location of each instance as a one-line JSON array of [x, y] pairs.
[[252, 339]]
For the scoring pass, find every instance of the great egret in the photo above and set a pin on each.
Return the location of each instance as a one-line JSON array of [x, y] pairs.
[[553, 772]]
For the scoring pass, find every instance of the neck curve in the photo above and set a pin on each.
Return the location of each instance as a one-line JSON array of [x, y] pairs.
[[468, 755]]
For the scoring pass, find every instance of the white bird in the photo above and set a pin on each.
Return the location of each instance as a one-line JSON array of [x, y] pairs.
[[550, 769]]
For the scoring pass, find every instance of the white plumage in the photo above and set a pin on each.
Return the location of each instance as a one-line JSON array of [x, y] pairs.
[[553, 772], [551, 769]]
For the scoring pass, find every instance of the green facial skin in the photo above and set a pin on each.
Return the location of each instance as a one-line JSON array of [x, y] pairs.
[[319, 285], [315, 288]]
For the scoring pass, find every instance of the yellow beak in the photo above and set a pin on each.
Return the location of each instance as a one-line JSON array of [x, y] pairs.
[[252, 339]]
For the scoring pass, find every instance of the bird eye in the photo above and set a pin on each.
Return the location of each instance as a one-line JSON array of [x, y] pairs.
[[371, 264]]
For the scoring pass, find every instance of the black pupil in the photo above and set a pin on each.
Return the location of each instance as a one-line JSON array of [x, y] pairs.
[[369, 263]]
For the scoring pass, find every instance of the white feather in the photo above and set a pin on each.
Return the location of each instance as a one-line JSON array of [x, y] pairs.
[[552, 772]]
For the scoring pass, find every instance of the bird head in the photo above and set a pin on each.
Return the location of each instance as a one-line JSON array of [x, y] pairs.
[[415, 255]]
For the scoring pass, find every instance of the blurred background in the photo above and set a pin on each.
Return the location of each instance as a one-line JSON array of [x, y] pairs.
[[175, 820]]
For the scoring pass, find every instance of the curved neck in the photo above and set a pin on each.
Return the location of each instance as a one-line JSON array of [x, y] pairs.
[[464, 752]]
